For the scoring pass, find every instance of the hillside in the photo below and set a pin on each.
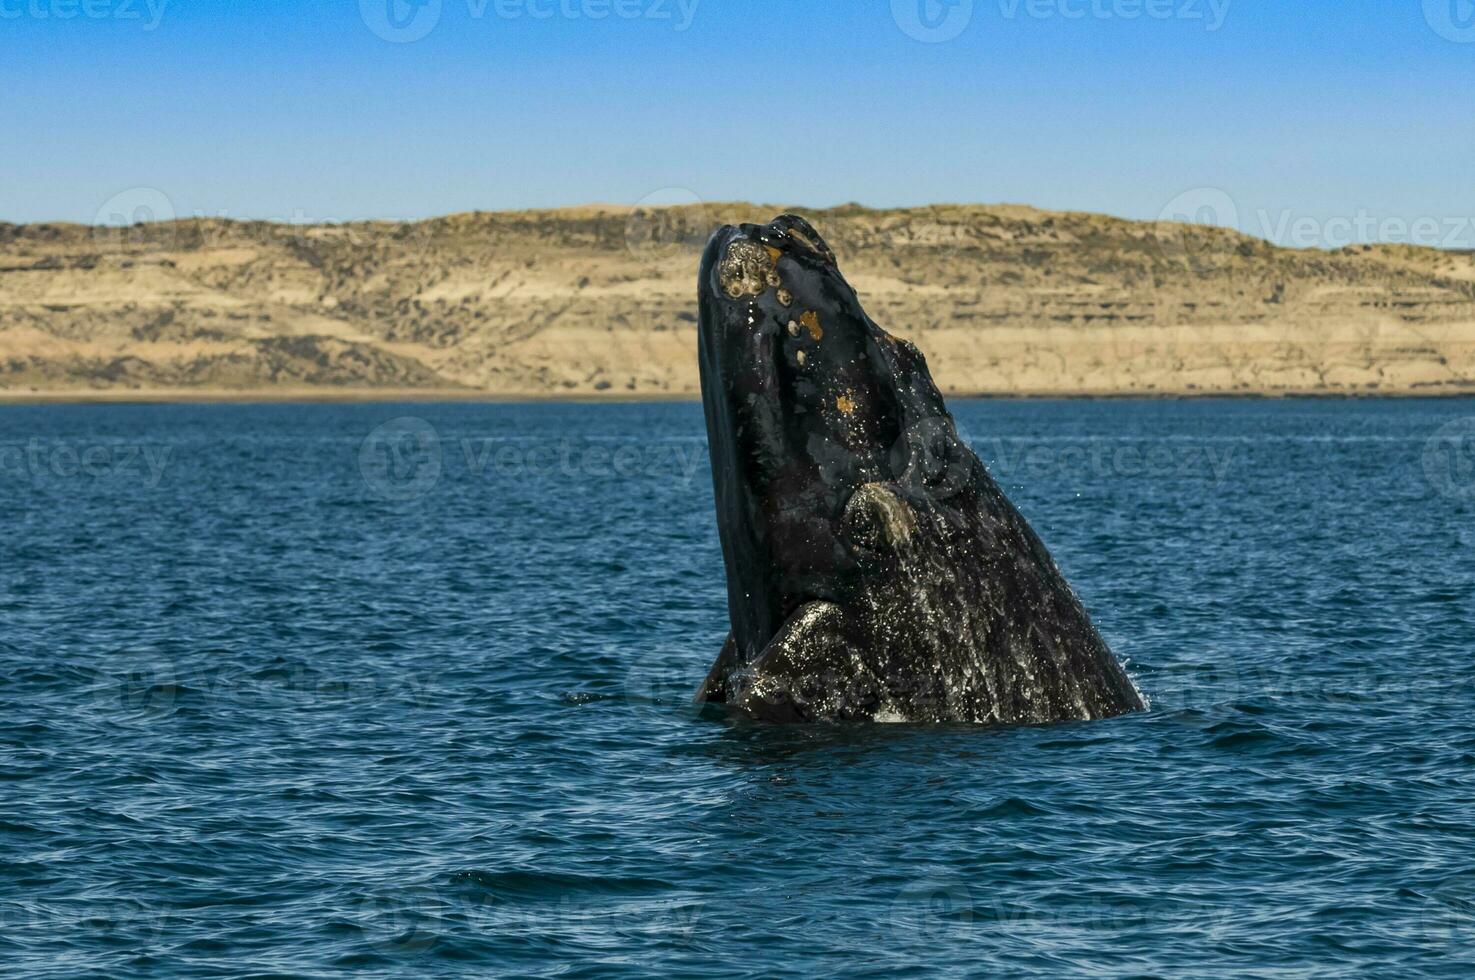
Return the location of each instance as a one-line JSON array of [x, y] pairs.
[[600, 301]]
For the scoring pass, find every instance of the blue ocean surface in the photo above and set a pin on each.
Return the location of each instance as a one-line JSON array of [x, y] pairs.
[[404, 690]]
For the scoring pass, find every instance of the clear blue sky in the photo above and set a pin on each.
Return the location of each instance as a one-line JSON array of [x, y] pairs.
[[274, 109]]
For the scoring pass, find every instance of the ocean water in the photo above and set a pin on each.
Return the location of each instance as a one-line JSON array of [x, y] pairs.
[[402, 690]]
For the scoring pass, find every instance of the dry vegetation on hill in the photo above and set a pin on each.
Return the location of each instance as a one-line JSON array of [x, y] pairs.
[[599, 301]]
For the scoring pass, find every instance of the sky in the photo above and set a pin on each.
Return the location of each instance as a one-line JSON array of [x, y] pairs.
[[1305, 121]]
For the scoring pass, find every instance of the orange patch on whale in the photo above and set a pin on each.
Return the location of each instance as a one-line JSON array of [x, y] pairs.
[[810, 319]]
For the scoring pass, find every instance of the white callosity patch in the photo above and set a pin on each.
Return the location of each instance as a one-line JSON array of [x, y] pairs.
[[746, 269]]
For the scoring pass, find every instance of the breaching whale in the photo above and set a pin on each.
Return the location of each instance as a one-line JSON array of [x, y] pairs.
[[875, 571]]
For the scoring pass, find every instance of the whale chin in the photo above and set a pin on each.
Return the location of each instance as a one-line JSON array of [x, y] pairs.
[[874, 568]]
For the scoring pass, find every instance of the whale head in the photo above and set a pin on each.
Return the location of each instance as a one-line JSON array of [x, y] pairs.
[[874, 568], [819, 424]]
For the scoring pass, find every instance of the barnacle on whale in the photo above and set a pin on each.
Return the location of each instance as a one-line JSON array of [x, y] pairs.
[[745, 269]]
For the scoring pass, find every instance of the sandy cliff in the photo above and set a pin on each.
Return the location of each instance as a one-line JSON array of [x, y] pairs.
[[600, 301]]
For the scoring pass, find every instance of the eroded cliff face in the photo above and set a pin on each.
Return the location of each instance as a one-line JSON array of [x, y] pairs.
[[601, 301]]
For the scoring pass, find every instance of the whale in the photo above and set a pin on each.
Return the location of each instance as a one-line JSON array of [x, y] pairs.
[[875, 570]]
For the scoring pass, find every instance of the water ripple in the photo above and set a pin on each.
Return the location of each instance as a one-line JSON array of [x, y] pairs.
[[271, 716]]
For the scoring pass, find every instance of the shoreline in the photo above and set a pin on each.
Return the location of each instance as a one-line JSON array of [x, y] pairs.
[[389, 396]]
